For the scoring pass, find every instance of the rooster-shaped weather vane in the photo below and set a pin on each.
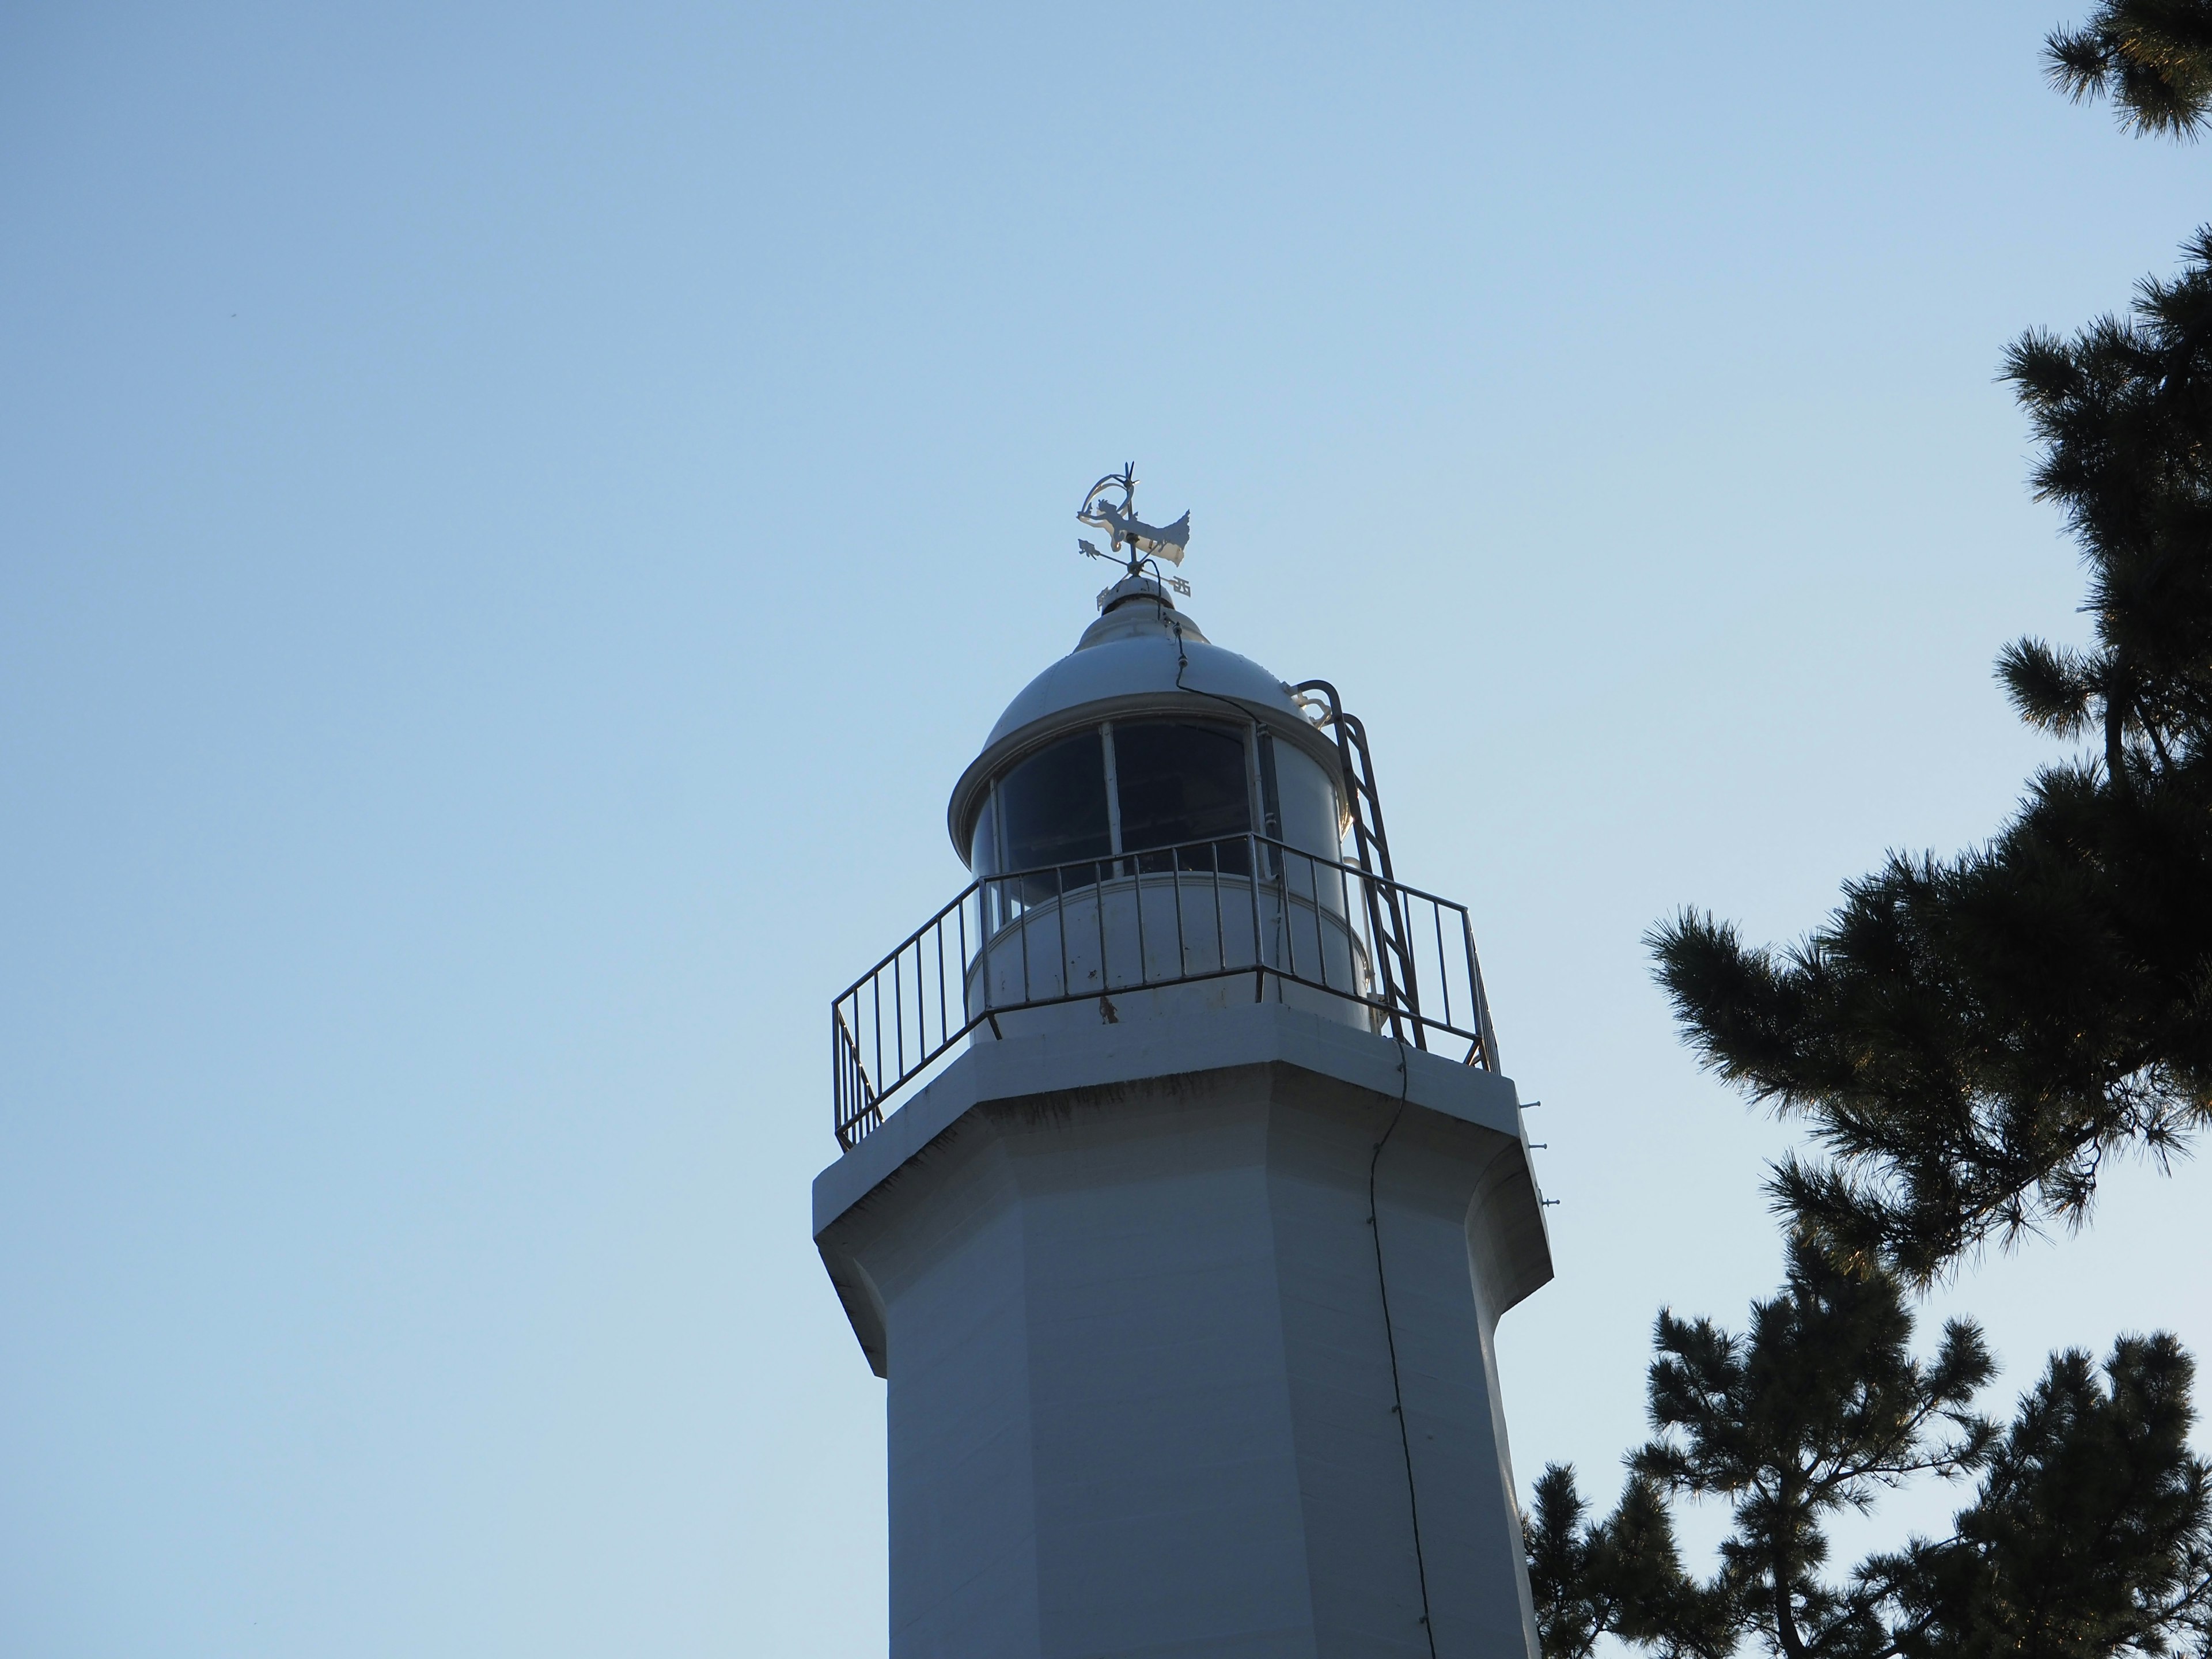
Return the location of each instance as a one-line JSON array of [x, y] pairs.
[[1145, 543]]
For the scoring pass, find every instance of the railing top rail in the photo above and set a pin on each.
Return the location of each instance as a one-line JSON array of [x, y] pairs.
[[881, 1010], [1319, 861], [904, 944]]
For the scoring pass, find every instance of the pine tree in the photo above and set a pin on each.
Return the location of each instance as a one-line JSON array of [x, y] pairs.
[[2089, 1536], [1622, 1577], [1817, 1408], [1969, 1038], [2152, 57]]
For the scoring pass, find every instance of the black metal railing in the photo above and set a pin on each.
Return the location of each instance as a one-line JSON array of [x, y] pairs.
[[1203, 911]]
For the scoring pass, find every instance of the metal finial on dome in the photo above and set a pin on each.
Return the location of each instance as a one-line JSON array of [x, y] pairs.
[[1146, 542]]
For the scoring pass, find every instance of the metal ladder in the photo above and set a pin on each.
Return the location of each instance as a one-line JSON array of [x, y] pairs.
[[1386, 919]]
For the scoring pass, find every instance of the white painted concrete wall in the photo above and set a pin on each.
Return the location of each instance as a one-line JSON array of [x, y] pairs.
[[1140, 1397]]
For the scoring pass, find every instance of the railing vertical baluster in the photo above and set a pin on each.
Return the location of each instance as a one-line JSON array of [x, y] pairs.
[[1182, 946], [1259, 961], [1137, 894], [1321, 939], [960, 914], [1221, 936], [987, 943], [1060, 924], [1482, 1025], [1025, 953], [1362, 978], [1443, 968]]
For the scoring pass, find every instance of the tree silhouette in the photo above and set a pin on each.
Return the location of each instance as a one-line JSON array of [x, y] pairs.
[[2152, 57], [2089, 1536], [1967, 1039]]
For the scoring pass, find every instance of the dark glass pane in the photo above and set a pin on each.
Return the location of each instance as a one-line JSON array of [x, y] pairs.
[[983, 847], [1052, 807], [1183, 783]]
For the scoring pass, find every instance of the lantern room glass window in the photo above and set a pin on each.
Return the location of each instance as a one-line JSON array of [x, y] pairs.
[[1178, 784], [1114, 800], [1052, 808]]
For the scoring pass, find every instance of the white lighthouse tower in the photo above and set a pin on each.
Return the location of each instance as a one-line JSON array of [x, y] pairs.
[[1181, 1193]]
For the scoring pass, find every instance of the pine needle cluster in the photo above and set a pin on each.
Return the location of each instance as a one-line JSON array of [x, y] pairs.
[[1968, 1039], [2152, 59]]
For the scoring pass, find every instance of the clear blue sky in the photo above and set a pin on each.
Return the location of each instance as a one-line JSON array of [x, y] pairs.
[[513, 518]]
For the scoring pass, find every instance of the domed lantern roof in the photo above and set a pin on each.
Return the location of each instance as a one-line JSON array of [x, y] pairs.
[[1142, 659]]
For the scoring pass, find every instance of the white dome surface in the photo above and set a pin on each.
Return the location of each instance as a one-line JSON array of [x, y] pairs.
[[1132, 650]]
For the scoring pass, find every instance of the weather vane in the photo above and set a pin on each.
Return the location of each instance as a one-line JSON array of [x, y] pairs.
[[1146, 542]]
